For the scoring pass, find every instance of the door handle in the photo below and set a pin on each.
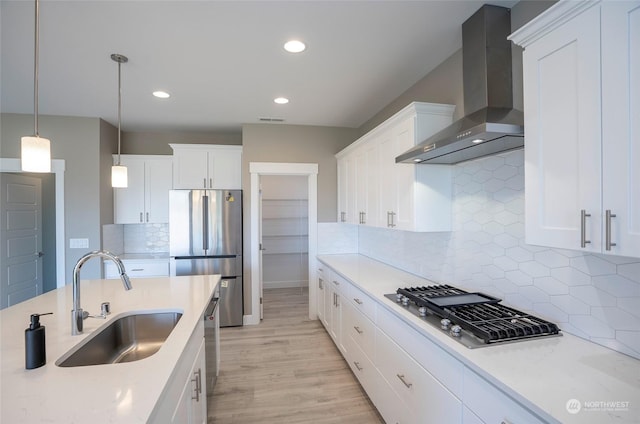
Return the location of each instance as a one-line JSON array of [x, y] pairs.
[[608, 215], [140, 216], [583, 228], [40, 254], [205, 222]]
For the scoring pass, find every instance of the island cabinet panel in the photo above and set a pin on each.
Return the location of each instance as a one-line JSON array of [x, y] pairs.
[[184, 399], [581, 79]]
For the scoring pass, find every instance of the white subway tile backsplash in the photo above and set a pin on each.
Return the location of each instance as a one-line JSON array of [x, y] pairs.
[[588, 295], [617, 285], [593, 265], [630, 271], [592, 326]]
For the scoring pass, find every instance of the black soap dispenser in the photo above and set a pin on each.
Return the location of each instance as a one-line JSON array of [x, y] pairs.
[[35, 354]]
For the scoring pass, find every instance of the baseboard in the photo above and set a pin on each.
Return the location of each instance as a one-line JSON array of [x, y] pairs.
[[284, 284]]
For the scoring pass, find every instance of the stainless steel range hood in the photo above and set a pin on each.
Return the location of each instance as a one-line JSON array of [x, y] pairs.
[[491, 125]]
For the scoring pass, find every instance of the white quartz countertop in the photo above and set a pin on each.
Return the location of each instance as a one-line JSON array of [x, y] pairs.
[[541, 374], [114, 393]]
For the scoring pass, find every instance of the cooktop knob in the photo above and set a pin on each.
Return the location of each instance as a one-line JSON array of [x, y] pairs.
[[405, 300], [456, 331], [422, 311], [445, 324], [399, 297]]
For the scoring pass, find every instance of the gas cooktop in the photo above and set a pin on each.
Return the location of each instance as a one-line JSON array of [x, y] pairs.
[[473, 319]]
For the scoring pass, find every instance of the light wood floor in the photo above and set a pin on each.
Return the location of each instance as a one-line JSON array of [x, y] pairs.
[[286, 370]]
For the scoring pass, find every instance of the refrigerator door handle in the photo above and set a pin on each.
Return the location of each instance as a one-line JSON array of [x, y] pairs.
[[205, 223]]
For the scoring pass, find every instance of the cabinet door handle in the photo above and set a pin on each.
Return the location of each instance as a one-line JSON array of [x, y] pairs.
[[343, 216], [147, 216], [320, 285], [364, 218], [204, 182], [388, 219], [137, 269], [401, 377], [608, 215], [336, 283], [583, 228], [358, 301], [140, 216], [198, 388], [355, 327], [393, 214], [337, 300], [357, 364], [210, 182]]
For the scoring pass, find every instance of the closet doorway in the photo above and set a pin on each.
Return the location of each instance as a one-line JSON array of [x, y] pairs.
[[258, 171], [285, 224]]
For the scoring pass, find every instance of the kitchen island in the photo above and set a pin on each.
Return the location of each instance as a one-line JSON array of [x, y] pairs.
[[552, 380], [125, 393]]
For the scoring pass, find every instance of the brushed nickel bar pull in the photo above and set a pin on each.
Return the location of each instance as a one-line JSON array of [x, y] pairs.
[[140, 216], [388, 221], [204, 182], [358, 329], [393, 214], [357, 364], [583, 228], [147, 216], [401, 377], [607, 222], [358, 301]]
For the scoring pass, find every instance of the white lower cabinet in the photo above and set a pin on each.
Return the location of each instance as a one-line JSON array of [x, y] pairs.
[[492, 405], [425, 397], [468, 417], [138, 269], [409, 378], [184, 398], [192, 406]]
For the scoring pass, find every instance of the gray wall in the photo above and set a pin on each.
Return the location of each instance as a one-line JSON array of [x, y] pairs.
[[444, 83], [151, 143], [77, 141], [295, 144]]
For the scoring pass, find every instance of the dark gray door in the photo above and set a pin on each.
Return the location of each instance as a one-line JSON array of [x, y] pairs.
[[20, 238]]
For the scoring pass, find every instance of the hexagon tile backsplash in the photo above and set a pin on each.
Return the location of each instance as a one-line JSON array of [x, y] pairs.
[[593, 296]]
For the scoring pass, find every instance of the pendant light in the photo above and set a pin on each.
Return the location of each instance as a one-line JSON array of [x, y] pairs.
[[119, 172], [36, 150]]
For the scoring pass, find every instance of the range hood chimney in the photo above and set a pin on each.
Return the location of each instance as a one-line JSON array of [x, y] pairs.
[[491, 125]]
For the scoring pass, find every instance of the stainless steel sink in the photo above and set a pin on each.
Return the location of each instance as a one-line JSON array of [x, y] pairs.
[[126, 339]]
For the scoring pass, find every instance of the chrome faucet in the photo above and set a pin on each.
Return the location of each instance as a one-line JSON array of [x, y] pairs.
[[77, 314]]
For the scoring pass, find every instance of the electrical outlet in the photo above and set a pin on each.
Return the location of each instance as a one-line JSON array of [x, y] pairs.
[[78, 243]]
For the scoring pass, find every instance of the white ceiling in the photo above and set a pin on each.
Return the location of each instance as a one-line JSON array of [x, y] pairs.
[[223, 61]]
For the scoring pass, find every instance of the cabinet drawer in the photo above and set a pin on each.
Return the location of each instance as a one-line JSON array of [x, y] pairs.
[[424, 395], [138, 269], [338, 283], [362, 367], [361, 330], [491, 405], [362, 302], [436, 360]]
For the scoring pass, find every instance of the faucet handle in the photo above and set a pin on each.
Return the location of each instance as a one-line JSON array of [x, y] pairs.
[[105, 308]]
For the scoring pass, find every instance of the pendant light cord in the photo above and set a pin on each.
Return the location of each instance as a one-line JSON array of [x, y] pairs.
[[35, 70], [119, 109]]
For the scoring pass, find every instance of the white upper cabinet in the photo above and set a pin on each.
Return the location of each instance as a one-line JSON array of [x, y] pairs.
[[146, 199], [207, 166], [581, 90], [381, 193]]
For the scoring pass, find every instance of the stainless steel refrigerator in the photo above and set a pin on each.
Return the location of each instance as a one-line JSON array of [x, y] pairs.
[[205, 237]]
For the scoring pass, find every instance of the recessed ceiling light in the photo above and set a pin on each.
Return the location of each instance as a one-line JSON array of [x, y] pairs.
[[161, 94], [281, 100], [294, 46]]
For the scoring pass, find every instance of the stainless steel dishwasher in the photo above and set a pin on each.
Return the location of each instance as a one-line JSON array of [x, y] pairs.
[[212, 341]]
